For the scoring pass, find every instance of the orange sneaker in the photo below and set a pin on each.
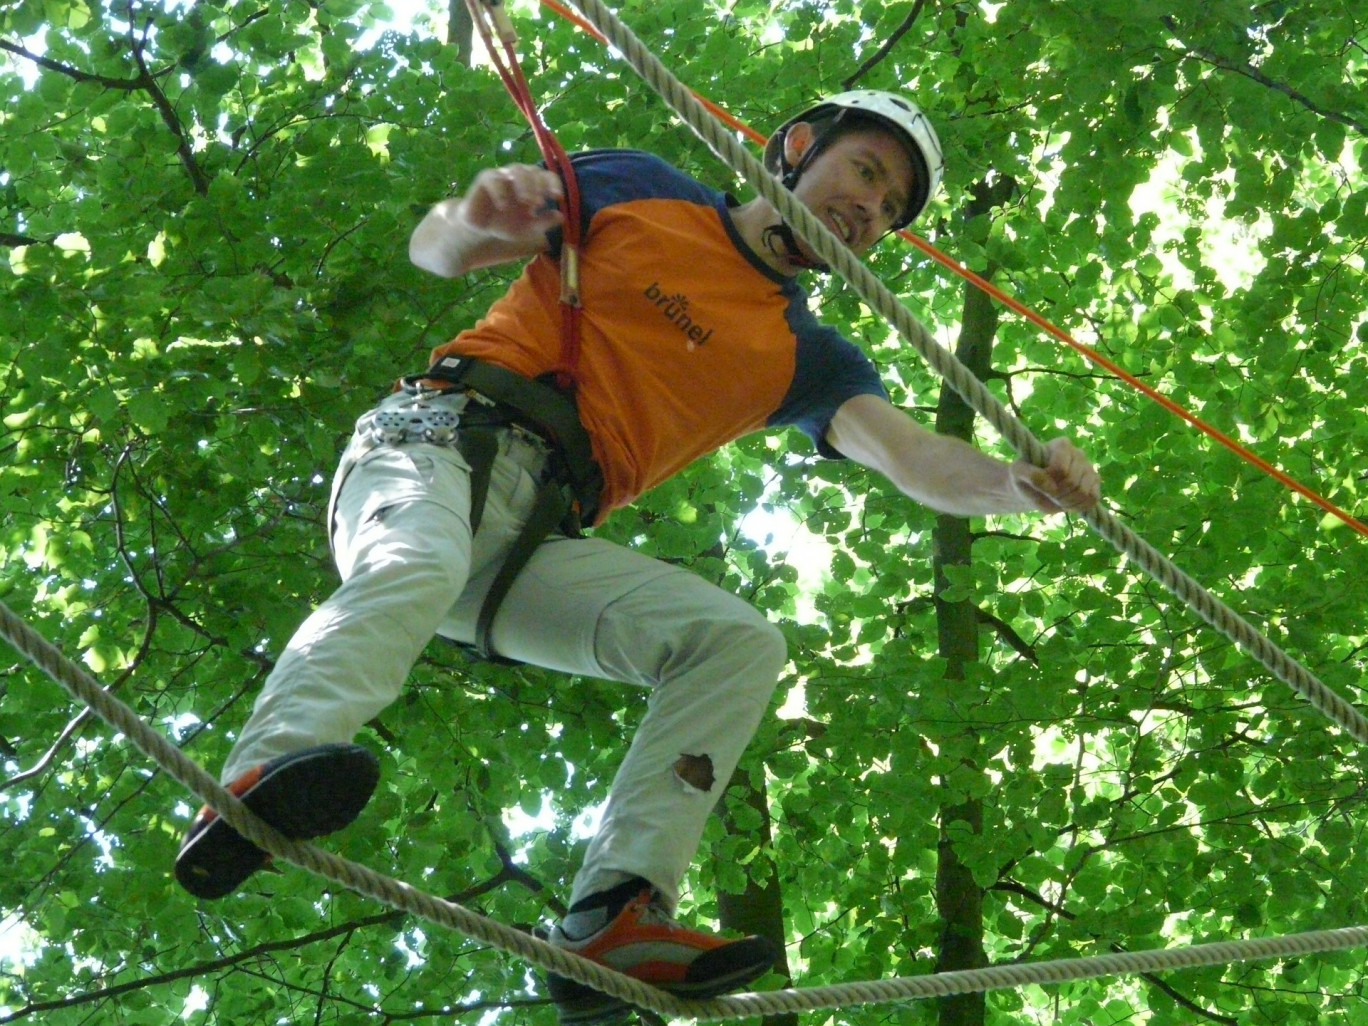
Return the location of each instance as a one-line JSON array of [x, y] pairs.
[[304, 794], [643, 942]]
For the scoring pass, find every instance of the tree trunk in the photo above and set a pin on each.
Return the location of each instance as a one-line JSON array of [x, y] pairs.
[[461, 30], [759, 909], [959, 898]]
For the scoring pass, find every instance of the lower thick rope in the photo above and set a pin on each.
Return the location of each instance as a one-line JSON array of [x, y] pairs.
[[394, 893], [85, 688], [834, 252]]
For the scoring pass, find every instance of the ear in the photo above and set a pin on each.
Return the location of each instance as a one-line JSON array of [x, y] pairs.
[[796, 141]]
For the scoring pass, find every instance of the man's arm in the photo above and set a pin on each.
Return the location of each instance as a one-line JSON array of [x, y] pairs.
[[504, 215], [951, 476]]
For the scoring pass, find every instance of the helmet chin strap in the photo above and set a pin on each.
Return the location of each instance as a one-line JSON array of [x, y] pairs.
[[779, 237], [782, 242]]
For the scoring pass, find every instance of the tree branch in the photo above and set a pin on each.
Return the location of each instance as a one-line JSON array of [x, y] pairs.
[[39, 767], [1007, 633], [388, 918], [171, 119], [124, 84], [146, 80], [8, 239], [887, 46], [1207, 56], [460, 30], [1012, 887]]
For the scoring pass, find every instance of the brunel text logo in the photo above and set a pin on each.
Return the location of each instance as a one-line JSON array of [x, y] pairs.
[[675, 309]]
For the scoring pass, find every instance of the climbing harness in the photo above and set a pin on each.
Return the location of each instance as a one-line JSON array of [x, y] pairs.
[[535, 404], [497, 398], [417, 421]]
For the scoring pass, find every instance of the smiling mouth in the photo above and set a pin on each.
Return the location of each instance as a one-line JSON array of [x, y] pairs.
[[844, 229]]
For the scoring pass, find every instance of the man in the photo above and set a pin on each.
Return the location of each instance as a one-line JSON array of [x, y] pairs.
[[694, 332]]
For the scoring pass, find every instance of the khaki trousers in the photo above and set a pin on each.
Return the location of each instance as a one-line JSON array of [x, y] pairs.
[[411, 570]]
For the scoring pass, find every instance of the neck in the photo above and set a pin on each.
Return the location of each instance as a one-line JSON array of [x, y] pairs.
[[751, 219]]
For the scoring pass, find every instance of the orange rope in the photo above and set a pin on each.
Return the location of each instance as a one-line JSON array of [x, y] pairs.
[[713, 109], [1092, 354], [1037, 319]]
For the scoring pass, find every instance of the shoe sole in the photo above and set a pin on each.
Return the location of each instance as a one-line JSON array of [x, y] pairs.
[[316, 792], [584, 1005]]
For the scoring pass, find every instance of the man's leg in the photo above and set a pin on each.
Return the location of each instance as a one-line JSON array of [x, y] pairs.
[[402, 544], [587, 606], [711, 661], [403, 549]]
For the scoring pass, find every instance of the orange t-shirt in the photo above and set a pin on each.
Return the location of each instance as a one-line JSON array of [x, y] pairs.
[[688, 339]]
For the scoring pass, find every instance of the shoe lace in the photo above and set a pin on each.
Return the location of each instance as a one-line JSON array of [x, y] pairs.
[[653, 912]]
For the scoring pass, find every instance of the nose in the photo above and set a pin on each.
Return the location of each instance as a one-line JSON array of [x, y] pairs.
[[868, 211]]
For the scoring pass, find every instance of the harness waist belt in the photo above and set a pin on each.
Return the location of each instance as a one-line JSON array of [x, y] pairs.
[[540, 407]]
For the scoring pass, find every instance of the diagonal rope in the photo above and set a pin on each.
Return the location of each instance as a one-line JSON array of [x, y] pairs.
[[873, 291], [1116, 370], [396, 894], [393, 893]]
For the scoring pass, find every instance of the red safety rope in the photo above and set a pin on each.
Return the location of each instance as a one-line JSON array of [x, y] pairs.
[[492, 21]]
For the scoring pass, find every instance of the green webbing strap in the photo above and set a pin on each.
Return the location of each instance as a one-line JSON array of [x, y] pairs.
[[544, 408], [479, 446], [548, 512]]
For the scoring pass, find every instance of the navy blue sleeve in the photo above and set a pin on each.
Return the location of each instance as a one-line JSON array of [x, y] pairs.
[[606, 177], [828, 370]]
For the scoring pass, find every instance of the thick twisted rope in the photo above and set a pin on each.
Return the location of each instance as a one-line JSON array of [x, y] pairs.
[[396, 894], [1004, 977], [832, 250]]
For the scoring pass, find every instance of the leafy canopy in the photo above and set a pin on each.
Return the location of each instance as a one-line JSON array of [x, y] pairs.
[[203, 216]]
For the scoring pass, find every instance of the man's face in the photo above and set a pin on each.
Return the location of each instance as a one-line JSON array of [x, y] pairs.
[[858, 186]]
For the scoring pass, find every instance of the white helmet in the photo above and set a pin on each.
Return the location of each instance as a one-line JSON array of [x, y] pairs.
[[889, 109]]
